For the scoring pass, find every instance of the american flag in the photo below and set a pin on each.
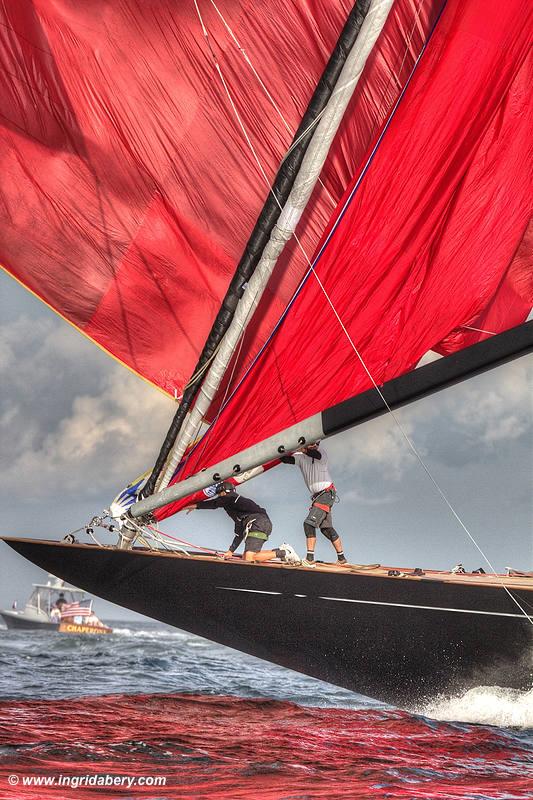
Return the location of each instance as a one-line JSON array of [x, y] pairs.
[[75, 610]]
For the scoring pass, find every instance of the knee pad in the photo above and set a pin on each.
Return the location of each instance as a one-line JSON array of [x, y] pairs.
[[309, 530], [330, 533]]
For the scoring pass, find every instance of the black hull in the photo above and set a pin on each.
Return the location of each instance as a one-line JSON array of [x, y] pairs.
[[400, 640], [20, 624]]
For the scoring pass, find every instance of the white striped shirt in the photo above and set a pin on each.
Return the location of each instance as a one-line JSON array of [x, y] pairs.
[[315, 472]]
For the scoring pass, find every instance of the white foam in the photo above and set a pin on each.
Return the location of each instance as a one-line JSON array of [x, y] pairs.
[[486, 705], [128, 632]]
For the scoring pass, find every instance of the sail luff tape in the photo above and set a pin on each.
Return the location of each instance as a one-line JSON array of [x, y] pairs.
[[305, 182]]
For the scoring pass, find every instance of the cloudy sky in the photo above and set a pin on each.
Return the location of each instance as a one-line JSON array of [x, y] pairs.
[[75, 427]]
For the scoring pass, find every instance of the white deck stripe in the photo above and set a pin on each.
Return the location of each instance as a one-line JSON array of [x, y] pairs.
[[381, 603], [425, 608], [235, 589]]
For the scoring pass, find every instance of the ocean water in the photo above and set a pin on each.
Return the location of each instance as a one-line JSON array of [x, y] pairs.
[[108, 717]]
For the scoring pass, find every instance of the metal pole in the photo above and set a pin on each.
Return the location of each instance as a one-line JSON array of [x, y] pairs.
[[398, 392]]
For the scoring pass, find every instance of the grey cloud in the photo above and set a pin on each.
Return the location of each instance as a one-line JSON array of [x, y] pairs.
[[69, 417], [458, 426]]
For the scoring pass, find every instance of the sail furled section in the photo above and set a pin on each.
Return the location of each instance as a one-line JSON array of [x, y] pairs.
[[129, 186], [372, 19], [422, 244]]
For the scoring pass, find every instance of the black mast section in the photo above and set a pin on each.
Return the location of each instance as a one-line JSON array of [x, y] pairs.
[[424, 381], [265, 223]]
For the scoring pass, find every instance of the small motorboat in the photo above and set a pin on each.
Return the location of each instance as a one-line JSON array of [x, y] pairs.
[[54, 606]]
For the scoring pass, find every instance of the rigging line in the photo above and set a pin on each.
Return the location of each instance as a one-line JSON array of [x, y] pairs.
[[162, 544], [247, 59], [415, 451], [142, 533], [183, 541], [230, 98], [242, 126], [478, 330], [272, 101], [203, 368], [228, 384], [203, 439], [256, 157], [239, 120], [312, 269], [376, 120], [349, 199], [405, 435]]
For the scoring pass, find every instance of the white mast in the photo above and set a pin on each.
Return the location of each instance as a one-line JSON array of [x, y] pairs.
[[292, 211]]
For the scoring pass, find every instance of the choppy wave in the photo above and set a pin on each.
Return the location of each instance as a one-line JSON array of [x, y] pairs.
[[258, 749], [153, 700], [486, 705]]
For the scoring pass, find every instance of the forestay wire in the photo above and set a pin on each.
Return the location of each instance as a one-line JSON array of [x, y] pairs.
[[311, 269]]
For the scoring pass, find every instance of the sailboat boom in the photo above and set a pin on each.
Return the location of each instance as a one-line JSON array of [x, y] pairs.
[[400, 391]]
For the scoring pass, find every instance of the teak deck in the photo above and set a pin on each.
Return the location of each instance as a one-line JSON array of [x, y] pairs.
[[523, 583]]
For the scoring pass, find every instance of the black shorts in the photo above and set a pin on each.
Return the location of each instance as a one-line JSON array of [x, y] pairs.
[[253, 544], [257, 528]]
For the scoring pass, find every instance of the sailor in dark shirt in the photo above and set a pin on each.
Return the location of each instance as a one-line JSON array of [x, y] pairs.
[[252, 524]]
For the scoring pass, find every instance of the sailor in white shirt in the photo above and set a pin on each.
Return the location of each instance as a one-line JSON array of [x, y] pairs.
[[313, 463]]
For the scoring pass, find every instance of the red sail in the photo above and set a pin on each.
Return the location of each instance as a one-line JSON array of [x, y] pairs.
[[128, 188], [433, 239]]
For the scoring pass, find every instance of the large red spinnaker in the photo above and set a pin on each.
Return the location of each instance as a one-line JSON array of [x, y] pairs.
[[434, 239], [128, 188]]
